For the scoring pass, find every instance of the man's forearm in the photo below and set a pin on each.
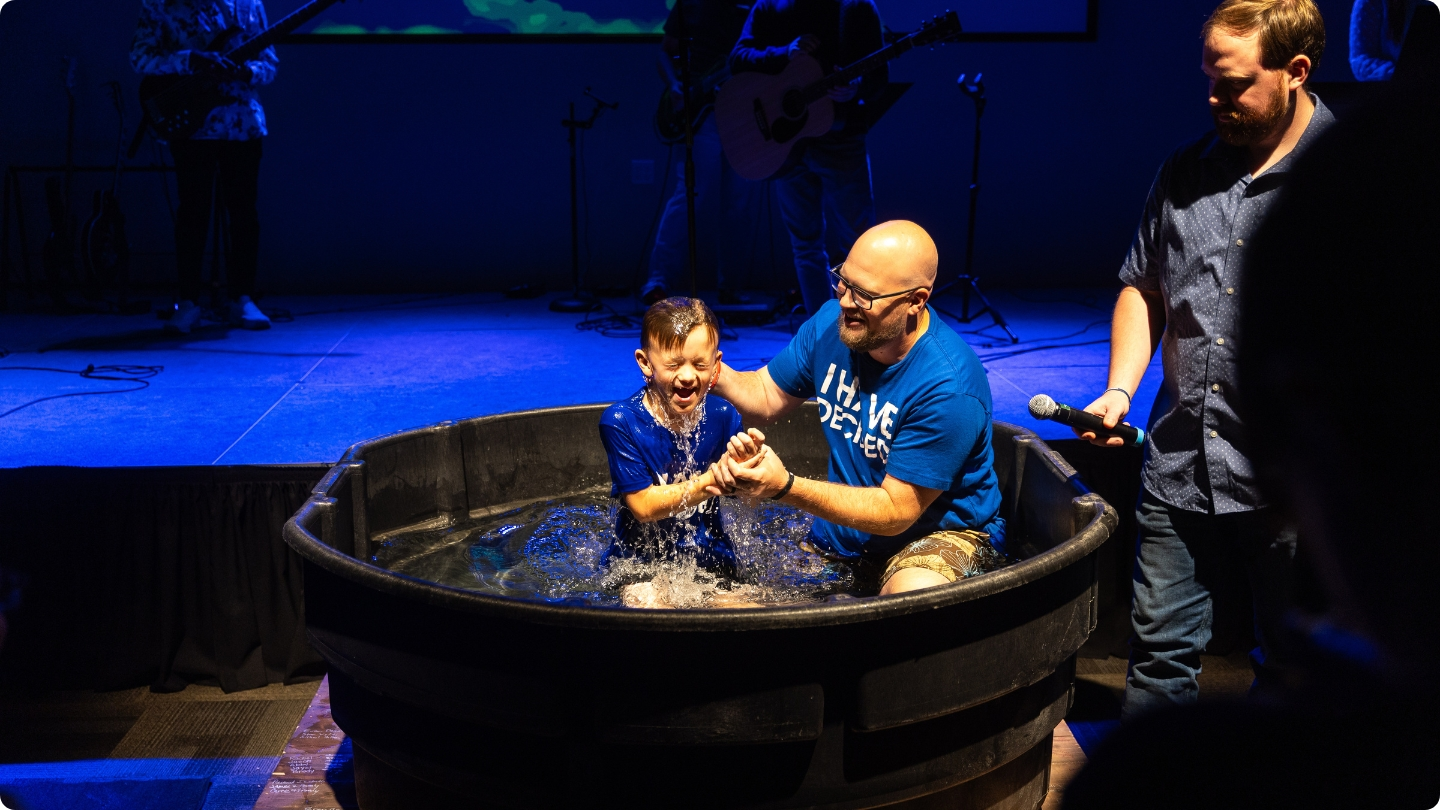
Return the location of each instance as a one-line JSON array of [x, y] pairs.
[[869, 509], [753, 394], [1134, 333], [749, 54]]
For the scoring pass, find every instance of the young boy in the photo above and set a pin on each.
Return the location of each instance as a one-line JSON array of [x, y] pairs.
[[663, 441]]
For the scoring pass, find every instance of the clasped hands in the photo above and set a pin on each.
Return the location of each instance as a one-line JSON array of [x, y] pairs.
[[750, 468]]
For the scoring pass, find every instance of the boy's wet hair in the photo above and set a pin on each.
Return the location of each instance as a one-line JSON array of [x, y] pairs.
[[669, 322]]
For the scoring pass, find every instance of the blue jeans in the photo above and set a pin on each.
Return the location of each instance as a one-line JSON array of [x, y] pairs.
[[738, 200], [1181, 557], [825, 199]]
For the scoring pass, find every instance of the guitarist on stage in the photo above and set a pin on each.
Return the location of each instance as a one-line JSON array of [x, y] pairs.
[[712, 27], [189, 37], [824, 189]]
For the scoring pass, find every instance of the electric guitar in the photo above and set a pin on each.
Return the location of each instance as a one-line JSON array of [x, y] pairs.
[[670, 118], [761, 117], [177, 105]]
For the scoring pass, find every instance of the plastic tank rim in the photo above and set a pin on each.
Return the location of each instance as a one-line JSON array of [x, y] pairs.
[[1098, 524]]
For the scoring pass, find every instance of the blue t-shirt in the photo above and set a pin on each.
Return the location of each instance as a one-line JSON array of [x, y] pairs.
[[643, 453], [924, 420]]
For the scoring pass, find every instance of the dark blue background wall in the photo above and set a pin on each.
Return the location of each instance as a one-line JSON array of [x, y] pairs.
[[428, 167]]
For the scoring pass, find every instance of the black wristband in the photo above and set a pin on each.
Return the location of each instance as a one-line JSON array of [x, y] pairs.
[[1121, 390], [785, 490]]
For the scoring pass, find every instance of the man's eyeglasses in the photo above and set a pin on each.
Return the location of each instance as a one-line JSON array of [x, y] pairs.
[[863, 299]]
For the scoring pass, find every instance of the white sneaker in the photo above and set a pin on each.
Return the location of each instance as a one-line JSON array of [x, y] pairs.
[[246, 315], [186, 316]]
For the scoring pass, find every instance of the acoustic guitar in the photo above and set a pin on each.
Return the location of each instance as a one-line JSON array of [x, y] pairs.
[[177, 105], [762, 117]]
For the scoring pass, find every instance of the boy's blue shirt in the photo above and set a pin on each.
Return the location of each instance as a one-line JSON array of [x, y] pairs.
[[643, 453], [925, 420]]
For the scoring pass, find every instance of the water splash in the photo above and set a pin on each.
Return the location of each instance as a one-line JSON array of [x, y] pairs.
[[550, 551]]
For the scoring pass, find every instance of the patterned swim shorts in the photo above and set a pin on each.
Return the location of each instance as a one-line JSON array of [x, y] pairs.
[[951, 554]]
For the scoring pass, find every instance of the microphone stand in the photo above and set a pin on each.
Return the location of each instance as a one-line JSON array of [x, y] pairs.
[[579, 300], [688, 85], [970, 285]]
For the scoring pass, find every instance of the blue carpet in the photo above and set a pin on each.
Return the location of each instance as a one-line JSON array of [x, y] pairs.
[[127, 784], [1089, 734], [122, 794], [349, 368]]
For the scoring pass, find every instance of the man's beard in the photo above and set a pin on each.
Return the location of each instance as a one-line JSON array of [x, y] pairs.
[[1246, 128], [873, 337]]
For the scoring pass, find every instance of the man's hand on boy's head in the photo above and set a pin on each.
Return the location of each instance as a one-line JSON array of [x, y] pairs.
[[745, 445]]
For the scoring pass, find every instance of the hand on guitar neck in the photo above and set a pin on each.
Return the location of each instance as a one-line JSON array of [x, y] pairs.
[[808, 44], [844, 92], [219, 67], [762, 116], [178, 106]]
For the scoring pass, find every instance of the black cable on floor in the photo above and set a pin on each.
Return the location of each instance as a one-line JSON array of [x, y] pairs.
[[1090, 301], [1001, 355], [1087, 328], [133, 374], [986, 358], [619, 325], [614, 324]]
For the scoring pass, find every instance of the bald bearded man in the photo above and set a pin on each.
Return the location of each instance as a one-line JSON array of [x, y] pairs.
[[906, 411]]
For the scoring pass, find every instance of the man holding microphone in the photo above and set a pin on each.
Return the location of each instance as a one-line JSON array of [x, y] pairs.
[[1200, 508]]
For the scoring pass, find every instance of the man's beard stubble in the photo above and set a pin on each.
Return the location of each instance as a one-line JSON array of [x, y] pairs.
[[873, 338], [1246, 129]]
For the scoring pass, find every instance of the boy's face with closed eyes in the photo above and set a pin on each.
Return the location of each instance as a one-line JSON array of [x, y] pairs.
[[680, 376]]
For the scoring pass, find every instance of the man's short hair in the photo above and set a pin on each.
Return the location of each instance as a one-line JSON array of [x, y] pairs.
[[1286, 28], [669, 322]]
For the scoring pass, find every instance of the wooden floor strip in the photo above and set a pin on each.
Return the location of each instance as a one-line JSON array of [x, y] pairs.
[[1066, 760], [314, 773]]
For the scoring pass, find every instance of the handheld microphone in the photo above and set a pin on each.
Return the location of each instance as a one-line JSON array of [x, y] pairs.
[[1043, 407]]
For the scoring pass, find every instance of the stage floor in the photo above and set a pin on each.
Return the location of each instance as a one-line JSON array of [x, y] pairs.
[[346, 368]]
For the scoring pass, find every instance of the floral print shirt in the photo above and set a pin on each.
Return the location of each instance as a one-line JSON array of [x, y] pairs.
[[170, 29]]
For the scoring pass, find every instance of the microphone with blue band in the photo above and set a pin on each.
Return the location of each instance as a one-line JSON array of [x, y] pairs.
[[1043, 407]]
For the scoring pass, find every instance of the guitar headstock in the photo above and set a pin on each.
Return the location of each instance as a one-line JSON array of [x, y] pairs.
[[938, 29]]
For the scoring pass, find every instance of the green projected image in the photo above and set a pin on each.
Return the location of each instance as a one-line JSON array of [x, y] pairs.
[[644, 18], [544, 17]]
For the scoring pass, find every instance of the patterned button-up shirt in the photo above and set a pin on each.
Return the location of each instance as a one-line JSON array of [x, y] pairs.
[[170, 29], [1190, 248]]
